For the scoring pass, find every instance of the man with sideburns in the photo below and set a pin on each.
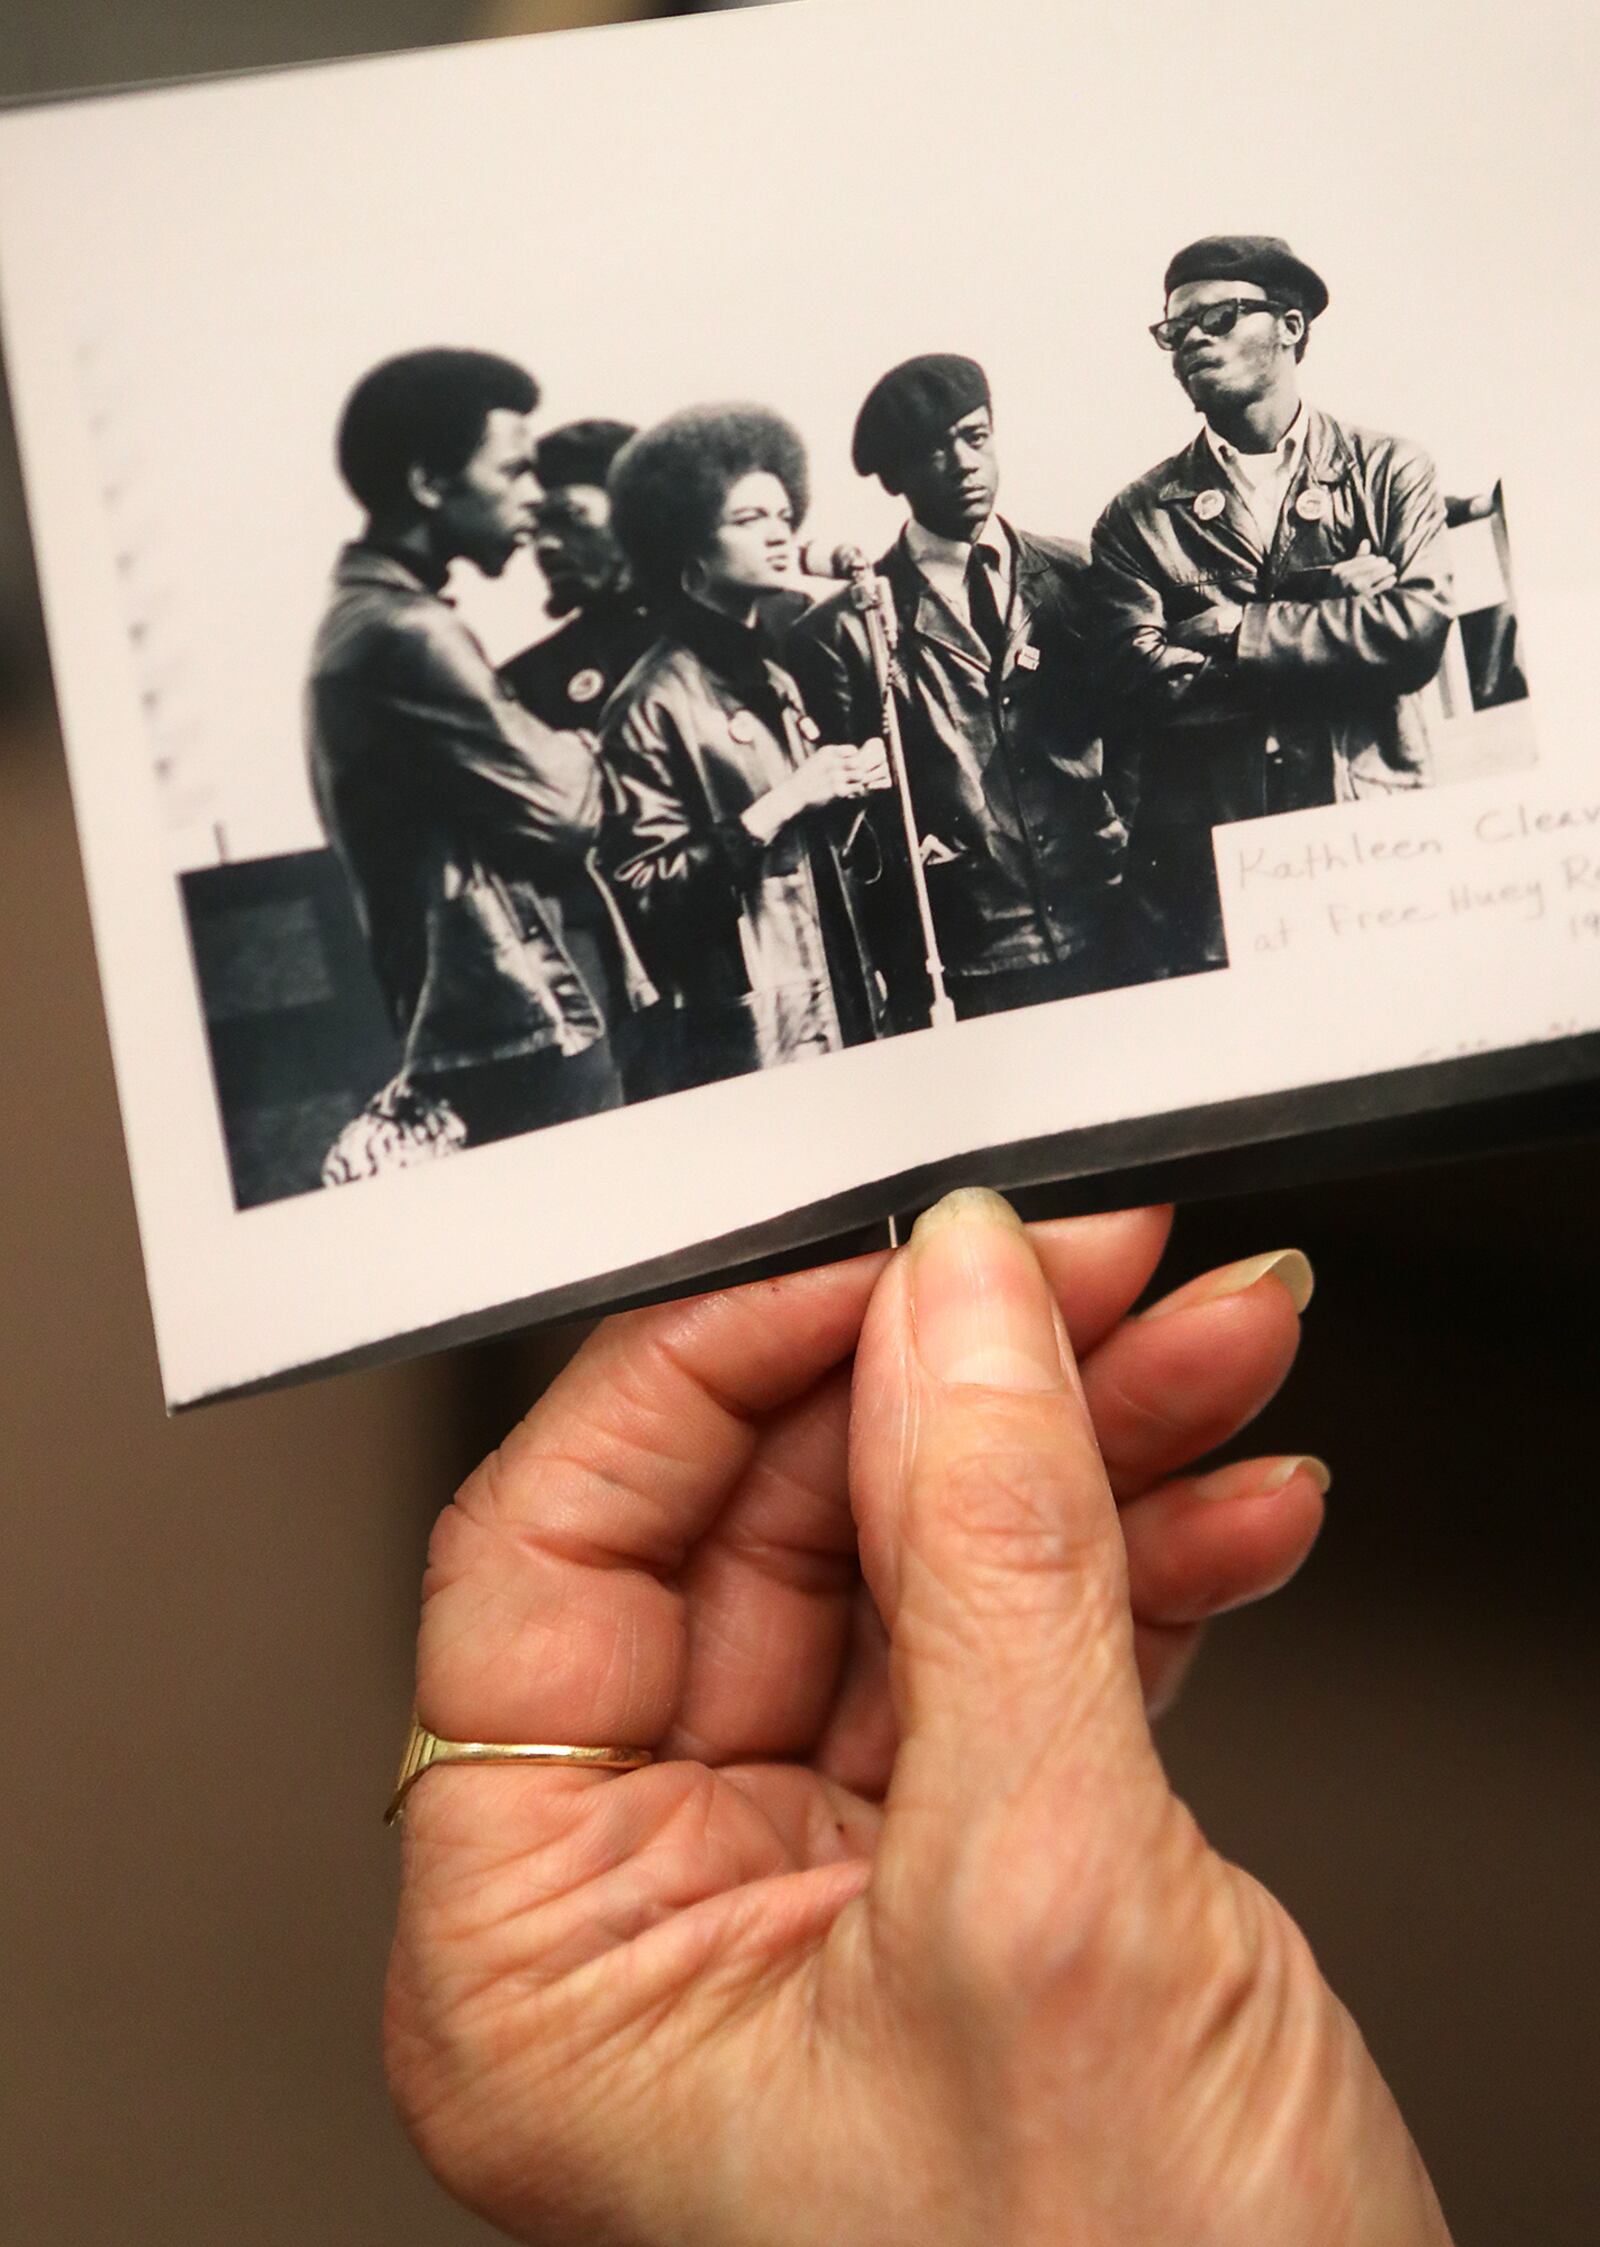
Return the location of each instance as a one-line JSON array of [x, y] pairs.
[[1020, 847], [1273, 598], [466, 825]]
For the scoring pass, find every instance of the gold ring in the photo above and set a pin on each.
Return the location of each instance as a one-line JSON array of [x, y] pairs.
[[425, 1748]]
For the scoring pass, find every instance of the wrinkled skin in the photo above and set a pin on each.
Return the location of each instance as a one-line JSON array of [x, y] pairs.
[[903, 1938]]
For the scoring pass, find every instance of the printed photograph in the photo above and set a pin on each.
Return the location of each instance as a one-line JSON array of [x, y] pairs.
[[745, 799], [671, 639]]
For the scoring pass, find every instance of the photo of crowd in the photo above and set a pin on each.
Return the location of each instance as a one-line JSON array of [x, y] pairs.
[[711, 823]]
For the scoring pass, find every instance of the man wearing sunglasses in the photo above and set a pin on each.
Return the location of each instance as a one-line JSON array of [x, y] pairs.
[[1273, 598]]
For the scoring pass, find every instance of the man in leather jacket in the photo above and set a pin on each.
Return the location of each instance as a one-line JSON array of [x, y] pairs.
[[567, 677], [1020, 847], [1273, 598], [466, 826]]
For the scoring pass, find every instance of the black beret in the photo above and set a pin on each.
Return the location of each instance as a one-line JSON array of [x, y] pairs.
[[1261, 258], [580, 452], [912, 407]]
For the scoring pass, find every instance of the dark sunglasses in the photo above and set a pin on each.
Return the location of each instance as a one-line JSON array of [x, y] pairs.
[[1212, 319]]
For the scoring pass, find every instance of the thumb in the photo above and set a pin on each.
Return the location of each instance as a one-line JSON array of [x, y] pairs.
[[1365, 547], [987, 1530]]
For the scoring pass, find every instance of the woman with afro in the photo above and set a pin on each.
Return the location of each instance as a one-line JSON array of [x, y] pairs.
[[731, 824]]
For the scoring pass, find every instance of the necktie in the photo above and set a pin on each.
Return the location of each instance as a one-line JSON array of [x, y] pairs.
[[982, 606]]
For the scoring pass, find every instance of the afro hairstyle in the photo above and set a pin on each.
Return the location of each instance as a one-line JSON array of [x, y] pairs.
[[427, 410], [670, 483]]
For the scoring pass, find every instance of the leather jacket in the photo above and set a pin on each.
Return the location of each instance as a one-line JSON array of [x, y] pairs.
[[1020, 845], [466, 827], [704, 724], [567, 678], [1316, 703]]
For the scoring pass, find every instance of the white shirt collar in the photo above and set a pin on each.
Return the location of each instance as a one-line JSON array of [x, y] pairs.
[[925, 546], [1255, 467]]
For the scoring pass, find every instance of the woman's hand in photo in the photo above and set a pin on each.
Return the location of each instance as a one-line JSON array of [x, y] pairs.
[[837, 772], [875, 768], [840, 771]]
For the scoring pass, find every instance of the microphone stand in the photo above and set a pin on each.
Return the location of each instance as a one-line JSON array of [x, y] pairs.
[[869, 597]]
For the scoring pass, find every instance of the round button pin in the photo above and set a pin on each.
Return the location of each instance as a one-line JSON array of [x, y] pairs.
[[742, 726], [1208, 505], [584, 686], [1312, 505]]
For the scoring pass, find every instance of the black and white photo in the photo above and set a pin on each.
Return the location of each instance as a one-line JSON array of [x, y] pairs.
[[1277, 594], [615, 740]]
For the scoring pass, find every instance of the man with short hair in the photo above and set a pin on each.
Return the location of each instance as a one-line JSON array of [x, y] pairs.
[[466, 826], [567, 677], [1274, 596], [1019, 845]]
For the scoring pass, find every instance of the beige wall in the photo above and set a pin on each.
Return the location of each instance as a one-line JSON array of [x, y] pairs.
[[207, 1681]]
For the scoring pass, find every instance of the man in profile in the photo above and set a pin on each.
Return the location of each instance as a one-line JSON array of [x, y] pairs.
[[1018, 842], [1273, 596], [567, 677], [465, 824]]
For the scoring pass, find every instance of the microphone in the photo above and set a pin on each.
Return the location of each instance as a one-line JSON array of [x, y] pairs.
[[818, 559]]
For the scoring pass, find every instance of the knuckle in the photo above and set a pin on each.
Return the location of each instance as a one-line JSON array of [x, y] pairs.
[[475, 1516], [452, 1542], [1009, 1507]]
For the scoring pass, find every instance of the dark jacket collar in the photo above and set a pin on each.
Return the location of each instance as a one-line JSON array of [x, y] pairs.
[[611, 609], [737, 651], [364, 563], [901, 548], [1031, 561], [900, 566], [921, 607], [1034, 562], [1325, 460]]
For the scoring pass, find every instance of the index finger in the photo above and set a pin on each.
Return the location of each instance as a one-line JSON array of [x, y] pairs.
[[552, 1608], [548, 1611]]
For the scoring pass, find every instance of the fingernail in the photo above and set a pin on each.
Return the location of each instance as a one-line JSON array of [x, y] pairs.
[[1305, 1464], [1289, 1266], [981, 1311]]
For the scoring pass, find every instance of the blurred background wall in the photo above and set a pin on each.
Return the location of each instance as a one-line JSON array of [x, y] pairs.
[[207, 1665]]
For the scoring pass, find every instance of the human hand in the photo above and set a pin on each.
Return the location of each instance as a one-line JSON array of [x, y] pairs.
[[839, 771], [903, 1939], [1213, 631], [873, 766], [1364, 572], [1373, 773], [833, 773]]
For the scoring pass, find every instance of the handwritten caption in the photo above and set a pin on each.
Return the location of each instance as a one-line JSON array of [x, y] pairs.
[[1511, 863]]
